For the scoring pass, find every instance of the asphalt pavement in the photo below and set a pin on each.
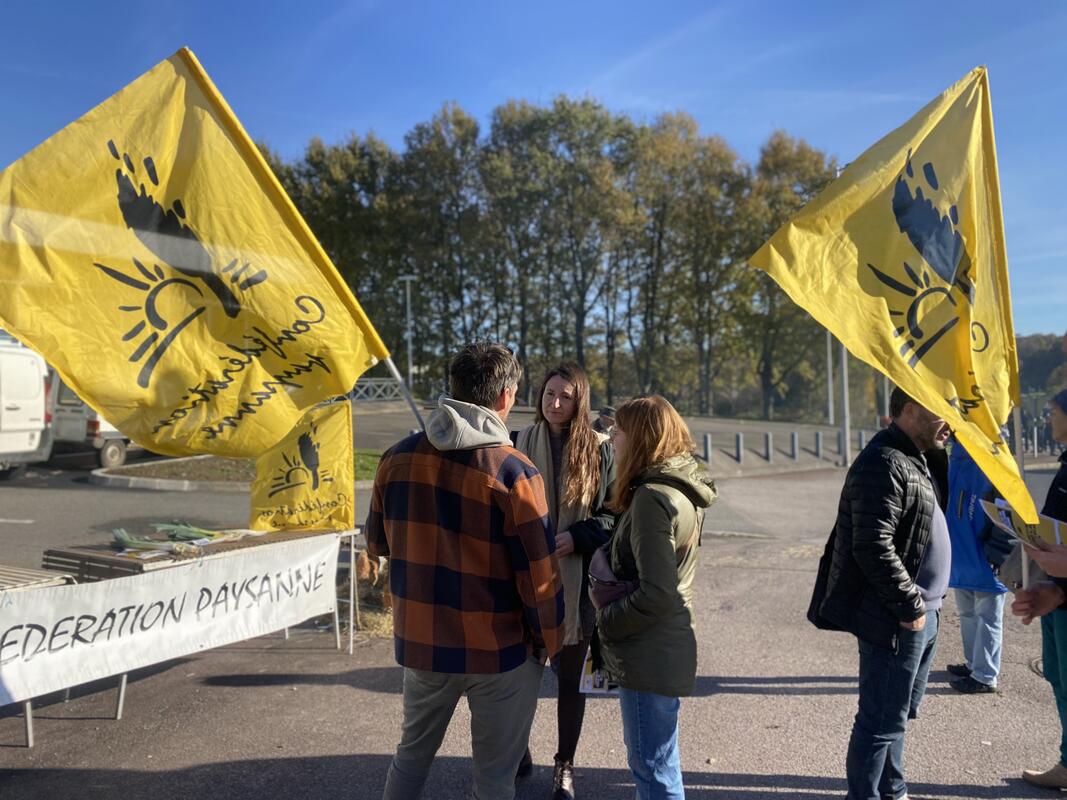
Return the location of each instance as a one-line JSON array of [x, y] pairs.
[[270, 718]]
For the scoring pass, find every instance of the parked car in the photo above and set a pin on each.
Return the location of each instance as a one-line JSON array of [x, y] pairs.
[[25, 435], [77, 427]]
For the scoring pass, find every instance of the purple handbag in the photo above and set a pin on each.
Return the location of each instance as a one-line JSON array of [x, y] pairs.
[[604, 587]]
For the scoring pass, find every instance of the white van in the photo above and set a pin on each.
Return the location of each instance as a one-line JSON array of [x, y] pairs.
[[77, 427], [24, 433]]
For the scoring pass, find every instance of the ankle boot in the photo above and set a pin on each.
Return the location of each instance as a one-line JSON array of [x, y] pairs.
[[1055, 778], [563, 780]]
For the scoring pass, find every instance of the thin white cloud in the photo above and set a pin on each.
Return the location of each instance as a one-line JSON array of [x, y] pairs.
[[843, 98], [623, 68], [323, 37]]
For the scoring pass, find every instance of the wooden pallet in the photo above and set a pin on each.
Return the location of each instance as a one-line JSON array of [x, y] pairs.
[[102, 562], [17, 578]]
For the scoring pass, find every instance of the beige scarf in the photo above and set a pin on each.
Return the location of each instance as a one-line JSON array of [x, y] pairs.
[[536, 444]]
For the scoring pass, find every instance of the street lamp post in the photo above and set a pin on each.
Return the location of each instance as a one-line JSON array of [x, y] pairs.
[[408, 334], [846, 421], [829, 378]]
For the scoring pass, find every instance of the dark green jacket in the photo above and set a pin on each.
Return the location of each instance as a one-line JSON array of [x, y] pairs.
[[647, 640]]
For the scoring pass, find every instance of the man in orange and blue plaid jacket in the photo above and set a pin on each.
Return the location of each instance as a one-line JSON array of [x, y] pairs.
[[477, 597]]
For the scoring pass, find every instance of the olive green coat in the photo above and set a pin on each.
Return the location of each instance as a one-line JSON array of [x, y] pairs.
[[647, 639]]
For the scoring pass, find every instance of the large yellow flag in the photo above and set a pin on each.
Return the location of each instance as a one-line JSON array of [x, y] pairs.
[[307, 479], [148, 252], [903, 259]]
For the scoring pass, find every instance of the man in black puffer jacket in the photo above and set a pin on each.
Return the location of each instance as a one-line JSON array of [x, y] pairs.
[[882, 578]]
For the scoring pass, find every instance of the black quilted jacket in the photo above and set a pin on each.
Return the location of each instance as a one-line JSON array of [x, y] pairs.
[[865, 584], [1056, 500], [1056, 507]]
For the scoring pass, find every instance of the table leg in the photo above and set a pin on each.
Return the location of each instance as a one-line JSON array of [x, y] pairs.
[[121, 698], [27, 709], [353, 595]]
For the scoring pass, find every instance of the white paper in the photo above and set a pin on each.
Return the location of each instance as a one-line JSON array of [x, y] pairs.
[[595, 681]]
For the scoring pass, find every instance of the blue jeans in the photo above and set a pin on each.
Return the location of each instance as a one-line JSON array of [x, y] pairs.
[[891, 687], [650, 730], [981, 623]]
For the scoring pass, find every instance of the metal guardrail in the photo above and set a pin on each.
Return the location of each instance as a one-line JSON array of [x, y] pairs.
[[376, 390]]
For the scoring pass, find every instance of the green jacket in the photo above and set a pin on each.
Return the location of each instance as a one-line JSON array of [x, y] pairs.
[[647, 639]]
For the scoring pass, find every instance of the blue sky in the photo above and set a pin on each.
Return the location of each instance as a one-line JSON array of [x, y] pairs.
[[840, 75]]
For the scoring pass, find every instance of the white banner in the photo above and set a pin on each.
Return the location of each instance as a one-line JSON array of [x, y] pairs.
[[57, 637]]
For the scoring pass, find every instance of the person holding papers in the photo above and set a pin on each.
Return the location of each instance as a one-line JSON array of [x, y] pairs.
[[1048, 600]]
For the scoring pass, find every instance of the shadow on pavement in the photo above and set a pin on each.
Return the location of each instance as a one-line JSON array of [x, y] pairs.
[[109, 684], [708, 685], [384, 680], [361, 777], [390, 680]]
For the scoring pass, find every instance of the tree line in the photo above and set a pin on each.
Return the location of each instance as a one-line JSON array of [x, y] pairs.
[[569, 231]]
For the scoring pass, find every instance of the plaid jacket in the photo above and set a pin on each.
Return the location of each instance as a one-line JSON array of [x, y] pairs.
[[472, 564]]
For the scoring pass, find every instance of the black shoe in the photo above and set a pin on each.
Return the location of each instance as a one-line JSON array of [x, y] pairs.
[[563, 781], [969, 685], [525, 766], [959, 670]]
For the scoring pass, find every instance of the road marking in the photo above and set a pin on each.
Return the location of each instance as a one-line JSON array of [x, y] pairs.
[[736, 535], [17, 521]]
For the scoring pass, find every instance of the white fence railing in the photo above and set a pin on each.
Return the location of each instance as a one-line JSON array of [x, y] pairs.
[[376, 390]]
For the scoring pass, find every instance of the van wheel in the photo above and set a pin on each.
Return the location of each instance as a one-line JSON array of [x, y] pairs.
[[112, 454], [8, 473]]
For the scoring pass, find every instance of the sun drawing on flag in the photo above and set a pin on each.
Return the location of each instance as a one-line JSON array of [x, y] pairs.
[[168, 236], [920, 291], [155, 281], [302, 469]]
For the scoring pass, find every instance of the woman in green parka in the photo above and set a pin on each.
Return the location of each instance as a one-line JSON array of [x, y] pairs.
[[647, 639]]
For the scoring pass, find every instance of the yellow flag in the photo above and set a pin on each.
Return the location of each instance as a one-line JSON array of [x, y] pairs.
[[307, 480], [903, 259], [149, 254]]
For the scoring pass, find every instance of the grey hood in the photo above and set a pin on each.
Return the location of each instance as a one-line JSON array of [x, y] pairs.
[[455, 425]]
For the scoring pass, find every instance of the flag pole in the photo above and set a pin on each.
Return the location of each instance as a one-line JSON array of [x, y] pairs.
[[846, 417], [404, 388], [1017, 426]]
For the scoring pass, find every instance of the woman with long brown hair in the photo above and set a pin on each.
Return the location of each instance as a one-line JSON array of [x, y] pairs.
[[647, 638], [578, 468]]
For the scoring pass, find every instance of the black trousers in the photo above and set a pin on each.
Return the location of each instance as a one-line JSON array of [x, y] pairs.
[[570, 707]]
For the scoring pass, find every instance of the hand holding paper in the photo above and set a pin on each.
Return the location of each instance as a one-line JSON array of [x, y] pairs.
[[1050, 557], [1037, 601]]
